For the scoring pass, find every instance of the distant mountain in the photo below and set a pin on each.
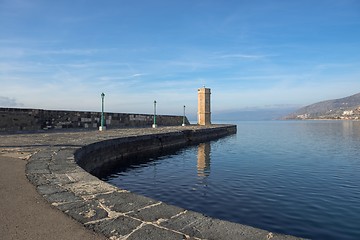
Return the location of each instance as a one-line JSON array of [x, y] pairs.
[[343, 108], [255, 114]]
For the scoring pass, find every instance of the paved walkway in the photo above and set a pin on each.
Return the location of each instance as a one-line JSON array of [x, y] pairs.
[[24, 214], [113, 212]]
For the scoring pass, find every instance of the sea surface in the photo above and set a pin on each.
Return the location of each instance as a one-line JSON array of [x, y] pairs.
[[293, 177]]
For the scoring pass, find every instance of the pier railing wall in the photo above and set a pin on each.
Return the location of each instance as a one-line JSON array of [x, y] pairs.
[[20, 119]]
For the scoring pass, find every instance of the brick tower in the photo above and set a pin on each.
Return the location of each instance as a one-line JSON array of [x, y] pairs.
[[204, 114]]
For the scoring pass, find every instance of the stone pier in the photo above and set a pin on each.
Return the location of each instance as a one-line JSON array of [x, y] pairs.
[[54, 168]]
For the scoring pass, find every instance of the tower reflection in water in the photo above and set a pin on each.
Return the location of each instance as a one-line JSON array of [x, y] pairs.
[[203, 160]]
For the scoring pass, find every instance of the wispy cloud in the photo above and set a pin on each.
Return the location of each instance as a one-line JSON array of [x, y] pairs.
[[137, 75], [63, 52], [324, 66], [9, 102], [120, 78], [243, 56], [12, 52], [249, 55]]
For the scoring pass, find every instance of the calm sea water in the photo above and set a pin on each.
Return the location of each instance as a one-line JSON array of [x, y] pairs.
[[293, 177]]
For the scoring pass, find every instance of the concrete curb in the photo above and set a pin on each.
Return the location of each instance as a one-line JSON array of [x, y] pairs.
[[118, 213]]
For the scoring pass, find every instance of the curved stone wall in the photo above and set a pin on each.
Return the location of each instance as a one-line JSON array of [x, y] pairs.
[[96, 155], [118, 213]]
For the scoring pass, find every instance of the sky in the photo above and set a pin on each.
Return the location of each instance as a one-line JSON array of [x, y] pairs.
[[255, 54]]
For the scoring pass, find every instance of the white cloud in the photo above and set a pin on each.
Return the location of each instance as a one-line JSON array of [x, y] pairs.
[[326, 66], [18, 52], [243, 56], [9, 102], [137, 75], [12, 52]]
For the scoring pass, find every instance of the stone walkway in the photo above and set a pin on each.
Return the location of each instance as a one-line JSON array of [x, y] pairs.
[[27, 215], [113, 212]]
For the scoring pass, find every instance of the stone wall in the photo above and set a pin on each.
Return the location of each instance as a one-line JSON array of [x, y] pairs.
[[18, 119], [111, 211], [96, 157]]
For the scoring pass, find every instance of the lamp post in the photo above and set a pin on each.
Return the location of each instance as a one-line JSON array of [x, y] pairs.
[[154, 125], [102, 127], [183, 124]]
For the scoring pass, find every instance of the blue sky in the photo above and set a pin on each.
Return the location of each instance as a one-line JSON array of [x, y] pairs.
[[252, 54]]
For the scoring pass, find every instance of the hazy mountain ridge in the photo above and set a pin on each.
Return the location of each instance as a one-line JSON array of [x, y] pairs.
[[343, 108], [252, 114]]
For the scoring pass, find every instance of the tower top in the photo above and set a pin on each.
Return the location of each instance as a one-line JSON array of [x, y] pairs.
[[204, 90]]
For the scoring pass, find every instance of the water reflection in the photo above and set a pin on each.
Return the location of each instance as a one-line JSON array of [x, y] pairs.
[[297, 177], [203, 160], [351, 129]]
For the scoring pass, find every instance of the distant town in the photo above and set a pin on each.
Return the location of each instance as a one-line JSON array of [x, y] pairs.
[[347, 108]]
